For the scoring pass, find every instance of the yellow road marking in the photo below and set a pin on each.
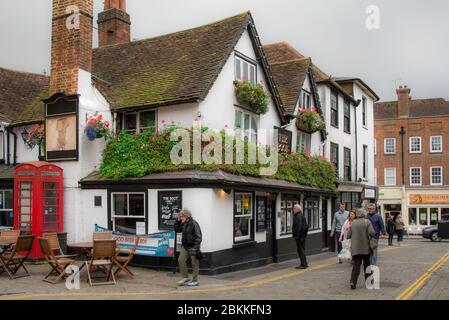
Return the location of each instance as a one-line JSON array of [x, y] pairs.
[[244, 285], [407, 293]]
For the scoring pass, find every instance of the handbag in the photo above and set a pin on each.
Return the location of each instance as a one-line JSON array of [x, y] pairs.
[[373, 243]]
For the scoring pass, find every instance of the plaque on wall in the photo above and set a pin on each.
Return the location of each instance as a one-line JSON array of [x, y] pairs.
[[169, 205], [284, 140], [61, 128]]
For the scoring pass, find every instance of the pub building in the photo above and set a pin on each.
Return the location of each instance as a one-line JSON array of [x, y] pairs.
[[183, 78]]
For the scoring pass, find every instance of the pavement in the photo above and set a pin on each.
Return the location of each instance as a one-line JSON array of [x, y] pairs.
[[419, 269]]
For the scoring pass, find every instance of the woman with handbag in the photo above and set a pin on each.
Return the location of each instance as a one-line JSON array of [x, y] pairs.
[[360, 233], [345, 253]]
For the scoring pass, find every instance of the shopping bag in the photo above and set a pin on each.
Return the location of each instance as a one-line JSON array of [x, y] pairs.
[[345, 253]]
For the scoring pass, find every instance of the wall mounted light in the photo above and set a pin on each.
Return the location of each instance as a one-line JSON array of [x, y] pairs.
[[227, 191]]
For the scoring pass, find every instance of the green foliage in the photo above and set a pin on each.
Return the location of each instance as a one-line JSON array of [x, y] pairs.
[[252, 95], [309, 121], [131, 155]]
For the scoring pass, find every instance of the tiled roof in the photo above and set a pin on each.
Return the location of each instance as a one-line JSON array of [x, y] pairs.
[[418, 108], [20, 94], [289, 77], [169, 69]]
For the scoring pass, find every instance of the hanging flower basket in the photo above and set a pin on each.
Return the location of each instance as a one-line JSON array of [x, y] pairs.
[[97, 128], [36, 137], [309, 121], [252, 95]]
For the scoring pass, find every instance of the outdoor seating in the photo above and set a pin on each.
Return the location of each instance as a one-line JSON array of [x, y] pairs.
[[123, 258], [8, 235], [103, 254], [12, 262], [55, 246], [106, 235], [57, 263]]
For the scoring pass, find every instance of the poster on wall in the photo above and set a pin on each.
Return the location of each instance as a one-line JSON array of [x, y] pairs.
[[261, 214], [61, 127], [161, 244], [169, 205]]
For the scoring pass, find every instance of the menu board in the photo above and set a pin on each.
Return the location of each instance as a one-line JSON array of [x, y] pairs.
[[169, 205], [261, 214], [284, 139]]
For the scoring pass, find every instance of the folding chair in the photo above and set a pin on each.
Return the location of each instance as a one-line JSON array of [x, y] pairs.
[[57, 263], [13, 261], [122, 261], [103, 254], [107, 235], [55, 246], [9, 235]]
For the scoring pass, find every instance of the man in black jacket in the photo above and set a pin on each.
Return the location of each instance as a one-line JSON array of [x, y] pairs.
[[300, 230], [191, 242]]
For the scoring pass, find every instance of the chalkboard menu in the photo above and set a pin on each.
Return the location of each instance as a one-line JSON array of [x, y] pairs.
[[284, 139], [261, 214], [169, 205]]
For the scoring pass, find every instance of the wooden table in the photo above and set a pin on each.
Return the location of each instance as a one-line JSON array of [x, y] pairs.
[[85, 248]]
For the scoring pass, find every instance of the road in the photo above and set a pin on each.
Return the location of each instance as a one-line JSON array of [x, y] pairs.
[[419, 269]]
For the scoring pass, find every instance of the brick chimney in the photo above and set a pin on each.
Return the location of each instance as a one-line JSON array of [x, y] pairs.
[[71, 43], [114, 24], [404, 101]]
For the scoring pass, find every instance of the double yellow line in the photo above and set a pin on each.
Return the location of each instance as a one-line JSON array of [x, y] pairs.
[[422, 280]]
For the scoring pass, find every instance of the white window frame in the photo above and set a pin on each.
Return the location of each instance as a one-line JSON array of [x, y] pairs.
[[250, 64], [113, 215], [441, 176], [250, 133], [412, 176], [431, 144], [365, 112], [394, 145], [301, 139], [306, 99], [137, 113], [251, 218], [411, 139], [386, 177], [2, 145]]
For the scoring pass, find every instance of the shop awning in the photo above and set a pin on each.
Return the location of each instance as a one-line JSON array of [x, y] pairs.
[[201, 179], [350, 187]]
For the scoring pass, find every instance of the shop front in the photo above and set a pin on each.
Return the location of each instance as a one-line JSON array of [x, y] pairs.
[[391, 202], [246, 221], [425, 207]]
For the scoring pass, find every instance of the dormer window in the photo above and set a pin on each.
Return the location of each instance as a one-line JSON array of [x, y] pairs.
[[245, 70]]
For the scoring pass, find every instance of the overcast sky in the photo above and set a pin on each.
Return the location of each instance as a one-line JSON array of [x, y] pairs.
[[411, 47]]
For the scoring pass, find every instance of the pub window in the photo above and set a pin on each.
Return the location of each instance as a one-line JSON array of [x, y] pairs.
[[248, 124], [243, 216], [347, 164], [287, 214], [306, 99], [347, 119], [138, 121], [303, 141], [436, 176], [245, 70], [334, 109], [6, 208], [312, 213], [128, 209], [334, 158]]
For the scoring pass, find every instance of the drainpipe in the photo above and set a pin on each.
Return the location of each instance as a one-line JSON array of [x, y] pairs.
[[7, 146], [15, 148], [402, 133]]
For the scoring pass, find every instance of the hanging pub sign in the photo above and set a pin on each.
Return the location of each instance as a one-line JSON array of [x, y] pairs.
[[261, 214], [61, 127], [284, 139], [169, 205]]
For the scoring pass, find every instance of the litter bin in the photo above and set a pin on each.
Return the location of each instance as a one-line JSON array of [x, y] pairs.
[[62, 237]]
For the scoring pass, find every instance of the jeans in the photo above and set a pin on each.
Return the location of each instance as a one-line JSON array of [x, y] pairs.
[[400, 235], [356, 267], [390, 239], [182, 260], [374, 257], [337, 239], [301, 247]]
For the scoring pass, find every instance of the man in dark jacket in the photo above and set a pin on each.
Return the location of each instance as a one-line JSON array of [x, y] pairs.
[[390, 230], [300, 230], [378, 225], [191, 242]]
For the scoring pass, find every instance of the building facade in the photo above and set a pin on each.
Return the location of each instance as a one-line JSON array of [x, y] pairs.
[[411, 137]]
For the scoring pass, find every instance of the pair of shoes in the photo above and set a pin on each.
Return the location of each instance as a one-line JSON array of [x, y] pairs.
[[193, 284], [352, 286], [302, 267], [183, 282]]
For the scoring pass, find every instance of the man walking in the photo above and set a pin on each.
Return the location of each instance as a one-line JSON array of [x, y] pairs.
[[300, 230], [339, 220], [378, 225]]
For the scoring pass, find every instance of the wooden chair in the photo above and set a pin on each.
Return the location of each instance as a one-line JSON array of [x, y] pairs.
[[57, 263], [122, 261], [12, 262], [107, 235], [9, 235], [53, 241], [103, 254]]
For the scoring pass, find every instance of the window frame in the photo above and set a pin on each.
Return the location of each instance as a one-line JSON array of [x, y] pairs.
[[285, 210], [315, 214], [137, 113], [441, 176], [113, 216], [411, 176], [334, 111], [431, 144], [3, 209], [2, 146], [385, 177], [250, 236], [386, 145], [347, 116], [251, 63], [347, 168], [303, 137], [365, 161], [253, 118], [364, 112], [337, 164], [306, 99], [411, 145]]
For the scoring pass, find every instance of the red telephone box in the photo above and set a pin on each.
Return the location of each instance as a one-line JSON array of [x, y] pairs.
[[38, 200]]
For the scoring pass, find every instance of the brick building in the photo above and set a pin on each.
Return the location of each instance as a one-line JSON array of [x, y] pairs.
[[412, 159]]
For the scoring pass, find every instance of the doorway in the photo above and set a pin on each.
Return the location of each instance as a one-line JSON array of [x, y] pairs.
[[325, 235]]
